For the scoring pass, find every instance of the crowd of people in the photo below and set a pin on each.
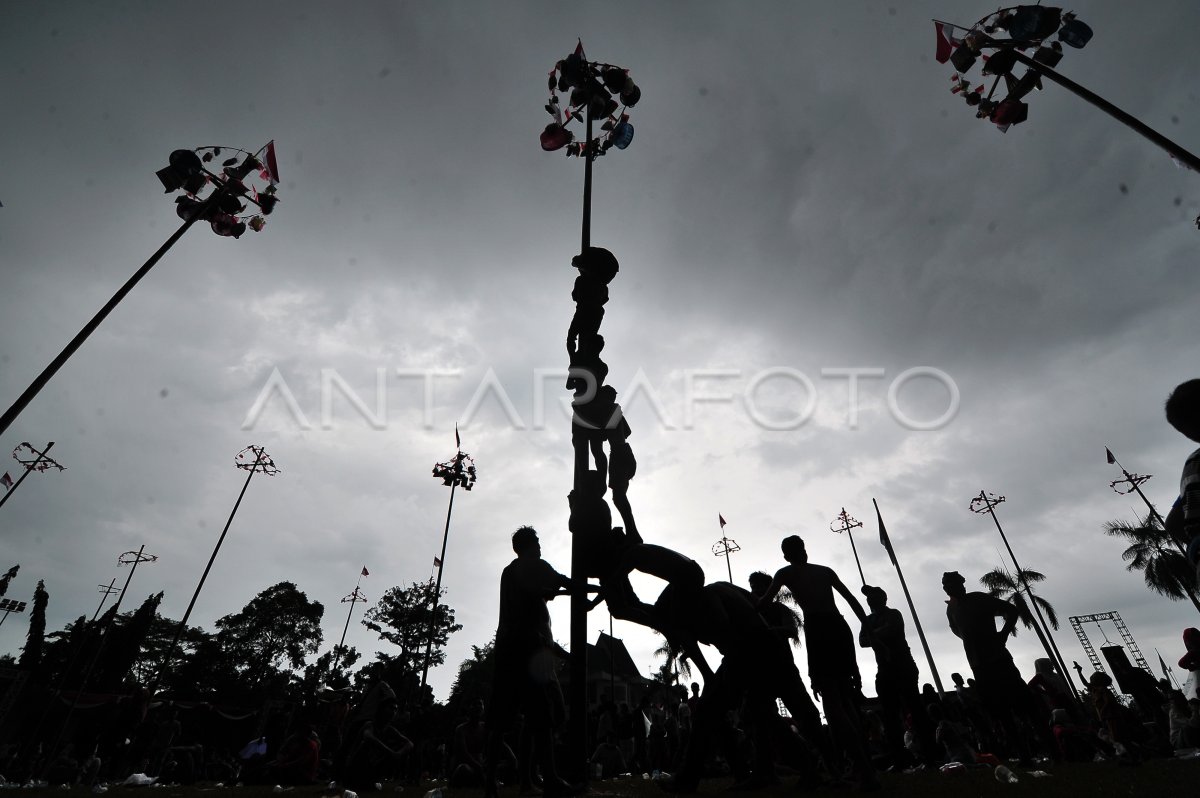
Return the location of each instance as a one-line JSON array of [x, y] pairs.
[[733, 726], [332, 738], [996, 716]]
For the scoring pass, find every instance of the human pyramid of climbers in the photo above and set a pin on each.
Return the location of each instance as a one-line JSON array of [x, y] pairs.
[[996, 714], [756, 666]]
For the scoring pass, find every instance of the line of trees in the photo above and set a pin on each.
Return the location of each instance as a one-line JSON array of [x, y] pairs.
[[264, 651]]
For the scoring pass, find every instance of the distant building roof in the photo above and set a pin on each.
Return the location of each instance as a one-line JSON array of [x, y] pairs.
[[610, 655]]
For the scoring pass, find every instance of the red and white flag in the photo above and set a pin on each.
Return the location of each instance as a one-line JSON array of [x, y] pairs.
[[721, 518], [6, 481], [272, 164], [949, 37], [365, 572]]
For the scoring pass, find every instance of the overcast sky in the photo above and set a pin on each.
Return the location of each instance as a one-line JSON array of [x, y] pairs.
[[802, 194]]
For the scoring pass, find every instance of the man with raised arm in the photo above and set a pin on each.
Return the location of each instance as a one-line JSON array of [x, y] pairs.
[[832, 664]]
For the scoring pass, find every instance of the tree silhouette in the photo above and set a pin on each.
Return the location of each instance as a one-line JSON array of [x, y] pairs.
[[1002, 584], [676, 663], [279, 626], [474, 678], [61, 650], [158, 637], [401, 617], [1155, 553], [124, 644], [8, 577], [321, 671], [31, 654]]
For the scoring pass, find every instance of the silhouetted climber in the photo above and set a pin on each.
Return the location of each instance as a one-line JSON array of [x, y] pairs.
[[587, 372], [755, 662], [1183, 413], [597, 413], [595, 420], [625, 552], [832, 665], [972, 618], [896, 678], [597, 268], [525, 679], [590, 523], [622, 466]]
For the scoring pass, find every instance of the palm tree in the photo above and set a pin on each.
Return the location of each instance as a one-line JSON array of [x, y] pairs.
[[676, 664], [1001, 583], [1155, 553]]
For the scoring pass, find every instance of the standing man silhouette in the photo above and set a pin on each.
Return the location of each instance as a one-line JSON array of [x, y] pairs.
[[972, 618], [832, 664], [896, 679], [525, 681]]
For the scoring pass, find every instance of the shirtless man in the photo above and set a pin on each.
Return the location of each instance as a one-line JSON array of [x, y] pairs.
[[832, 664]]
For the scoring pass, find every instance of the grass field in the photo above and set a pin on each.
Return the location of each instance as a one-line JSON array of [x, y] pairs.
[[1154, 779]]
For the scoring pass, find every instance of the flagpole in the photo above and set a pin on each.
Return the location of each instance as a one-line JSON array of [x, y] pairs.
[[138, 557], [28, 469], [1038, 68], [592, 86], [912, 609], [452, 473], [1135, 481], [849, 522], [437, 592], [231, 184], [353, 598], [725, 546], [1052, 648], [1168, 670], [267, 466], [1138, 126], [106, 592], [40, 381]]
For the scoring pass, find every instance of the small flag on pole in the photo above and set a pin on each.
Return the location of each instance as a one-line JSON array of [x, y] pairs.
[[1163, 666], [883, 535], [272, 164], [457, 438], [365, 572], [1108, 453], [437, 562], [721, 518], [946, 40], [6, 481]]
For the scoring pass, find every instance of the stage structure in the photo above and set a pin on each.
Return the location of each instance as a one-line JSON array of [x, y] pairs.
[[1077, 622]]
